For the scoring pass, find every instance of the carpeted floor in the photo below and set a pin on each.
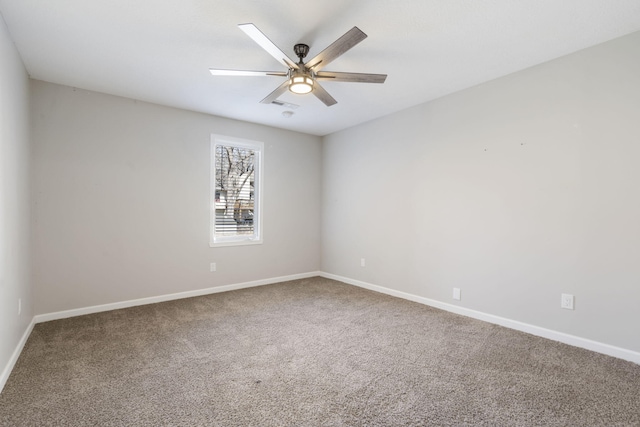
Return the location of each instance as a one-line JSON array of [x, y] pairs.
[[312, 352]]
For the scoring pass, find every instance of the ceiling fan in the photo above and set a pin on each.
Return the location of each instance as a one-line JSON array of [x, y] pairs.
[[304, 77]]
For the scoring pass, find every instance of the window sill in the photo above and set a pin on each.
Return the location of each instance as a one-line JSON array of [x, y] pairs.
[[246, 242]]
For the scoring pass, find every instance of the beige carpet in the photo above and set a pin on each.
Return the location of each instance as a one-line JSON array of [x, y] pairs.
[[312, 352]]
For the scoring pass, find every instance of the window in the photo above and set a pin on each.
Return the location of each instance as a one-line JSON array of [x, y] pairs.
[[236, 177]]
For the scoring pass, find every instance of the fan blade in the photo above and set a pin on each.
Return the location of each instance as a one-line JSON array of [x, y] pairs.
[[337, 48], [323, 95], [264, 42], [351, 77], [276, 93], [217, 72]]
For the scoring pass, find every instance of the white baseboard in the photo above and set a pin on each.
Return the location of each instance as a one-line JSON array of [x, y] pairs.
[[610, 350], [168, 297], [15, 355]]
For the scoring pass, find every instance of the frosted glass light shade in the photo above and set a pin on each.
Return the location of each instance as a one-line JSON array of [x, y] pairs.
[[301, 84]]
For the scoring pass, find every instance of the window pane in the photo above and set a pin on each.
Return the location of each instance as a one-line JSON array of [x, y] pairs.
[[235, 183]]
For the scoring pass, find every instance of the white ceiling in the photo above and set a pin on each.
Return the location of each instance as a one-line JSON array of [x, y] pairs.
[[160, 51]]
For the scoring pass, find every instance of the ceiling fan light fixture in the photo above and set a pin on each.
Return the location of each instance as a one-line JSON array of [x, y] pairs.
[[301, 84], [304, 77]]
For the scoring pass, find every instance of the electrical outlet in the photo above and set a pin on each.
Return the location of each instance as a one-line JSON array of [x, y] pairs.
[[456, 293], [19, 306], [212, 267], [566, 301], [362, 262]]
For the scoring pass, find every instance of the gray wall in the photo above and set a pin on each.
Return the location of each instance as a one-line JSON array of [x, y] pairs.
[[122, 201], [514, 191], [14, 200]]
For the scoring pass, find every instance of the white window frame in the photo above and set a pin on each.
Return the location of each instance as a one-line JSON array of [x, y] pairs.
[[256, 237]]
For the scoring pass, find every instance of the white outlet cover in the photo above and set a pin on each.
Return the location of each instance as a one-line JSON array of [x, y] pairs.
[[212, 267], [456, 294], [566, 301]]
